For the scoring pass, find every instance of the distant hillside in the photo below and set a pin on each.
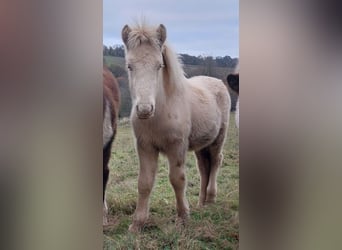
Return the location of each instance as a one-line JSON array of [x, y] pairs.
[[117, 66], [119, 61]]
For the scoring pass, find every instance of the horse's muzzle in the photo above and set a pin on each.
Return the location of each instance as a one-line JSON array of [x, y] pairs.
[[145, 111]]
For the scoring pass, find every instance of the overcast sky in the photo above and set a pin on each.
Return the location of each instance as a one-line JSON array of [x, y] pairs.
[[195, 27]]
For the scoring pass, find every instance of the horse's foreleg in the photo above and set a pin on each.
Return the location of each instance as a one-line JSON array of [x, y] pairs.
[[203, 163], [178, 180], [148, 161]]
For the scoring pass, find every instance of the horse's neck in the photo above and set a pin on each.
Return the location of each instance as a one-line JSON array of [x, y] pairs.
[[168, 98], [172, 87]]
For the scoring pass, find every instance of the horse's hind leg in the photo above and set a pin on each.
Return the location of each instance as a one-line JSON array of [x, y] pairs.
[[215, 151], [176, 157], [203, 163], [106, 157]]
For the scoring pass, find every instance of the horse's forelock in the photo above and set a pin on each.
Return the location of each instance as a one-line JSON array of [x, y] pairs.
[[143, 35]]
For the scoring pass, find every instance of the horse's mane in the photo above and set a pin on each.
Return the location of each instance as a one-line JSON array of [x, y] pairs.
[[142, 33], [173, 66]]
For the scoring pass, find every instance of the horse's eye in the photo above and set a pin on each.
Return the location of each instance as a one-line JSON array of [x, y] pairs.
[[160, 66], [129, 67]]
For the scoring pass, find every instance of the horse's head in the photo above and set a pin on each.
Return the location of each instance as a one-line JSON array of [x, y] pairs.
[[144, 61], [233, 82]]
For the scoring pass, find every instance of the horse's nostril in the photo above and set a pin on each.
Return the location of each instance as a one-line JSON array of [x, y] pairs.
[[144, 108]]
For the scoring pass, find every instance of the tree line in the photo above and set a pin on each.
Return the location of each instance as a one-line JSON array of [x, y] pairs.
[[218, 67], [225, 61]]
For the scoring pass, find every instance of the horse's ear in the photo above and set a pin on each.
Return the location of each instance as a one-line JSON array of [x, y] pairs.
[[161, 32], [124, 34]]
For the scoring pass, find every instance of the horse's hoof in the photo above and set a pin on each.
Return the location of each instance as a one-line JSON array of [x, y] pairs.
[[200, 204], [134, 228], [104, 214], [104, 222], [104, 219], [181, 222], [182, 219], [210, 200]]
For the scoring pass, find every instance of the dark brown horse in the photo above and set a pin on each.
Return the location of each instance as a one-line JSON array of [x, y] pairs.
[[111, 103], [233, 82]]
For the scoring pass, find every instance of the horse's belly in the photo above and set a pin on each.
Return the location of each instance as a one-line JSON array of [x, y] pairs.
[[200, 143], [201, 139]]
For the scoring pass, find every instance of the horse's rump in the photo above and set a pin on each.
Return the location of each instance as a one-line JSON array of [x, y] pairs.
[[111, 90], [111, 102]]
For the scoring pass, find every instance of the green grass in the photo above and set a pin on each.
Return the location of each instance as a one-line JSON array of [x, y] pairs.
[[215, 226], [119, 61]]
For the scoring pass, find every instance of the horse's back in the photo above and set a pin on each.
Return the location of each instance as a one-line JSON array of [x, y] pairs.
[[209, 89]]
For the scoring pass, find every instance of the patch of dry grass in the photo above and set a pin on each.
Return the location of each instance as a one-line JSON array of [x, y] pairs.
[[215, 226]]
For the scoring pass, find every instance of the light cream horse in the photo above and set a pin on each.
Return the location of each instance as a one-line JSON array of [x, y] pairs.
[[171, 115]]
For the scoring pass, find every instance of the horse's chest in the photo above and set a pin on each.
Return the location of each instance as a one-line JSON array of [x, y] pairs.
[[162, 137]]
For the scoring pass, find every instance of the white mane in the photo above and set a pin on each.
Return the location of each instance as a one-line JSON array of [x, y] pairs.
[[173, 66]]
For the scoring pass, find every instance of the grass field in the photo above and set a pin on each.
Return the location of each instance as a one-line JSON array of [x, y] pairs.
[[215, 226]]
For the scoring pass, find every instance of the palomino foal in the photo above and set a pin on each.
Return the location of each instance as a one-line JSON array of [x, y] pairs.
[[111, 103], [171, 115]]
